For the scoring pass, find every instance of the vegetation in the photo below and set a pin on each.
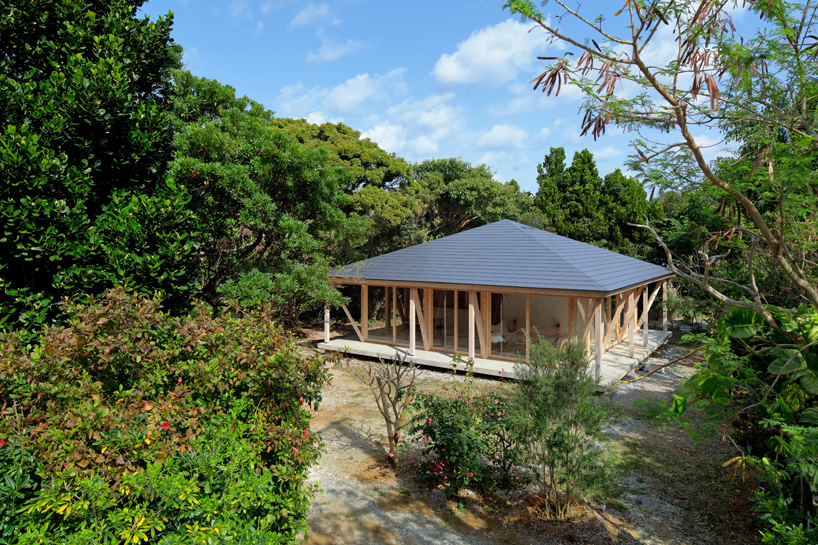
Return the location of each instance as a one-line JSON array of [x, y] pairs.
[[128, 424]]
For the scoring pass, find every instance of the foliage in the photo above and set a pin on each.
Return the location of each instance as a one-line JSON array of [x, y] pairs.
[[366, 163], [84, 204], [130, 425], [559, 423], [269, 208], [581, 205], [462, 430], [759, 90]]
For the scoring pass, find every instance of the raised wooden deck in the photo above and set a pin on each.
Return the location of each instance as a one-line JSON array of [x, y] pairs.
[[615, 362]]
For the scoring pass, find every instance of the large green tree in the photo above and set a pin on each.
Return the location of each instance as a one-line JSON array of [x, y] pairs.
[[83, 199], [579, 204]]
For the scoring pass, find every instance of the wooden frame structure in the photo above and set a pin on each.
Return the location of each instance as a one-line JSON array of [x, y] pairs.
[[609, 319]]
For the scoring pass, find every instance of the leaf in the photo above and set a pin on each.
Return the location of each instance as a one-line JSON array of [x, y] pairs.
[[809, 416], [780, 364], [809, 381], [741, 324]]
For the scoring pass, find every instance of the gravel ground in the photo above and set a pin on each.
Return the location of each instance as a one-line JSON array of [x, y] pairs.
[[366, 501]]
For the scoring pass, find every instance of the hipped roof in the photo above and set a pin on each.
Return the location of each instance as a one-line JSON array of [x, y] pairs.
[[507, 254]]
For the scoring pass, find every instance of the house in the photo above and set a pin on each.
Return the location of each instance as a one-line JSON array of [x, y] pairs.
[[477, 294]]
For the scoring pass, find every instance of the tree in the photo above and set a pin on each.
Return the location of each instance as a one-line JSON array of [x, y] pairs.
[[83, 200], [581, 205], [270, 210], [762, 90]]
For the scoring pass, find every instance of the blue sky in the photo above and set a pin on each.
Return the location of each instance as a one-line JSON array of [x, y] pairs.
[[422, 79]]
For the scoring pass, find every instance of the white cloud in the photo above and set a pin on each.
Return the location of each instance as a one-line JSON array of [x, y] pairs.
[[423, 145], [318, 118], [330, 51], [492, 55], [503, 137], [309, 14], [343, 99], [610, 152], [432, 115], [389, 137], [494, 157]]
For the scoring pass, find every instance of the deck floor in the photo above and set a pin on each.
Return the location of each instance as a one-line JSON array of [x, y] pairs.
[[615, 362]]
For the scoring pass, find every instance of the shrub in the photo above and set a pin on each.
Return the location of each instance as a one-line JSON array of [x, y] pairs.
[[466, 438], [559, 421], [131, 425]]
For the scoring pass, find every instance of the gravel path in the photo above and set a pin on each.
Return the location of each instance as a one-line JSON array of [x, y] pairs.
[[365, 501]]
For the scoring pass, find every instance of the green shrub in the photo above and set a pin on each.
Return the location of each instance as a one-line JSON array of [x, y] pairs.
[[465, 438], [131, 425], [558, 419]]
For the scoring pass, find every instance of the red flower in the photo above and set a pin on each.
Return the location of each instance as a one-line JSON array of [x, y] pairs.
[[180, 380], [234, 427], [2, 442], [296, 450], [301, 399], [306, 433], [165, 426]]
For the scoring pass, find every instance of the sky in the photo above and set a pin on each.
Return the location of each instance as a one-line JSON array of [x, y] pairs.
[[423, 79]]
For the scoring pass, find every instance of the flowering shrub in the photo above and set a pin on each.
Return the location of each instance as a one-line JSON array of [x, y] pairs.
[[130, 425], [465, 437]]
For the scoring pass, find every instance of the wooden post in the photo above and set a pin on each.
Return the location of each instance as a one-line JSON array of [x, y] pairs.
[[352, 323], [429, 308], [528, 329], [664, 306], [387, 313], [456, 307], [631, 322], [598, 340], [587, 337], [645, 317], [472, 316], [572, 315], [412, 324], [485, 311], [394, 316], [608, 313], [365, 312], [326, 324], [424, 333], [634, 314], [619, 320]]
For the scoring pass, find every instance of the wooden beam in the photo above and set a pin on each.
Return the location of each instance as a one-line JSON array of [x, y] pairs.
[[404, 317], [479, 306], [456, 307], [598, 347], [645, 315], [619, 302], [326, 324], [470, 287], [616, 319], [572, 316], [394, 316], [485, 306], [664, 305], [429, 310], [528, 328], [424, 334], [352, 322], [412, 314], [472, 316], [365, 311], [586, 330], [631, 321], [387, 313], [649, 303]]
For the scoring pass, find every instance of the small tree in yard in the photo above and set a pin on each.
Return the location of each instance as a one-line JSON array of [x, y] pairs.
[[392, 384], [559, 421]]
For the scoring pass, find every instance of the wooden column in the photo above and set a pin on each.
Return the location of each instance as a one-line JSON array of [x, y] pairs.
[[429, 314], [394, 316], [607, 324], [485, 311], [472, 317], [528, 329], [598, 340], [572, 316], [326, 324], [631, 322], [645, 309], [365, 312], [664, 305], [419, 311], [386, 309], [412, 324], [456, 307], [589, 320], [619, 320]]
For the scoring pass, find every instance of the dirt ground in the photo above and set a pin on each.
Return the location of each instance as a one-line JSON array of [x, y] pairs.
[[669, 491]]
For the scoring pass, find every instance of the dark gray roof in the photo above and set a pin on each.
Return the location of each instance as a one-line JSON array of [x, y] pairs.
[[507, 254]]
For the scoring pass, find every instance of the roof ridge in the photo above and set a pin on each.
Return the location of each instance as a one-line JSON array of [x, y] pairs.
[[531, 236]]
